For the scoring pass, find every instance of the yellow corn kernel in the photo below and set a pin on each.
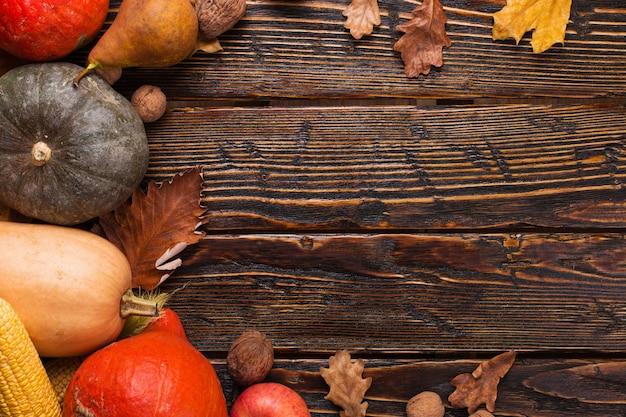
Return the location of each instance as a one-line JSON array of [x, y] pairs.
[[25, 389], [60, 372]]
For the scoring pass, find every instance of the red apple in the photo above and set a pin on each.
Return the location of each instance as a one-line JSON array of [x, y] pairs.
[[269, 399]]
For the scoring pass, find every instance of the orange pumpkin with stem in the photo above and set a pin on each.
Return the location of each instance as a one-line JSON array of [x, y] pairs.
[[155, 373]]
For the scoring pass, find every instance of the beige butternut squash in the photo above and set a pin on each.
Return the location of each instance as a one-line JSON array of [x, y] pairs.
[[70, 287]]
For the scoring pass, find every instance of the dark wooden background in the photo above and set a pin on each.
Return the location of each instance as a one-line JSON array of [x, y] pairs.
[[424, 224]]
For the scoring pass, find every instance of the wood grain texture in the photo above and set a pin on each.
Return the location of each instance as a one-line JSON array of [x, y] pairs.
[[395, 381], [397, 293], [373, 168], [340, 215], [300, 48]]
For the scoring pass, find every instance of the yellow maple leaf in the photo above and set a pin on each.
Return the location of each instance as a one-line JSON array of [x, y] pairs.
[[547, 18]]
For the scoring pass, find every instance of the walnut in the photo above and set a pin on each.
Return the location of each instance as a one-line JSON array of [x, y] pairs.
[[217, 16], [150, 102], [250, 358], [425, 404]]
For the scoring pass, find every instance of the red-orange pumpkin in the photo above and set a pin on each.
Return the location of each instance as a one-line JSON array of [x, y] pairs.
[[47, 30], [156, 373]]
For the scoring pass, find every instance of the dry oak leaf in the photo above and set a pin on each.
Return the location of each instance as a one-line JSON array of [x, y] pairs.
[[362, 16], [547, 18], [481, 386], [347, 386], [153, 227], [424, 38]]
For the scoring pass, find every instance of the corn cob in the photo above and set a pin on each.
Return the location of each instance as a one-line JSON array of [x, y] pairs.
[[25, 389]]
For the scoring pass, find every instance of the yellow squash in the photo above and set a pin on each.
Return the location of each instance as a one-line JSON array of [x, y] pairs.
[[25, 389], [70, 287]]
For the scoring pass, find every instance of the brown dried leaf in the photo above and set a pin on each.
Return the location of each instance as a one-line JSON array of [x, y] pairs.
[[153, 227], [481, 386], [347, 386], [548, 19], [209, 46], [362, 16], [424, 38]]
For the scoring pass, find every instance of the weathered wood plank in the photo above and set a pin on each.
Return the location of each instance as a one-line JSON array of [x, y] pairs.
[[418, 238], [406, 293], [400, 167], [301, 49], [394, 381]]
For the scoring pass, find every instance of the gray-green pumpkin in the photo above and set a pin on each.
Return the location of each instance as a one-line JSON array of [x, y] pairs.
[[68, 153]]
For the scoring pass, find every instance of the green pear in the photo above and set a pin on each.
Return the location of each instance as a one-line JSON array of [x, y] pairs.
[[146, 33]]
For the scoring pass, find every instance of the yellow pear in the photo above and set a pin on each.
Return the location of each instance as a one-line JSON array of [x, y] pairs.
[[146, 33]]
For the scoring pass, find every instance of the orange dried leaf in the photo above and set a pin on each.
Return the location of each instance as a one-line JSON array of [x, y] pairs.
[[481, 386], [424, 38], [154, 227], [548, 19], [362, 16], [347, 386]]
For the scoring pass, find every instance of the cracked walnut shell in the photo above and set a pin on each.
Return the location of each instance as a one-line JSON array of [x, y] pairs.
[[150, 102], [425, 404], [250, 358], [217, 16]]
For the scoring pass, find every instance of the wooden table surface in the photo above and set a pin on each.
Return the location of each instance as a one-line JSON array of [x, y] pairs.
[[423, 224]]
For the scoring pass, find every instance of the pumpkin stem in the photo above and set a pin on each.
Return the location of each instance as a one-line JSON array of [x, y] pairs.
[[84, 72], [136, 324], [40, 154], [132, 305]]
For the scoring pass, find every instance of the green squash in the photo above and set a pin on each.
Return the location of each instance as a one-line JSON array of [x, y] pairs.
[[68, 153]]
